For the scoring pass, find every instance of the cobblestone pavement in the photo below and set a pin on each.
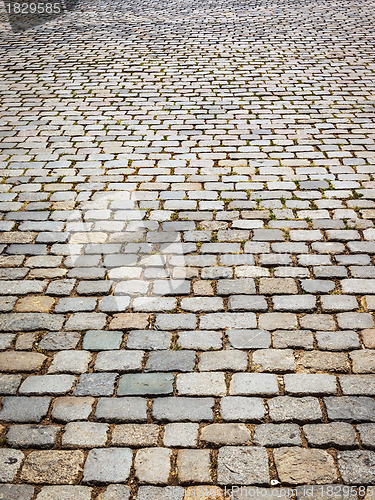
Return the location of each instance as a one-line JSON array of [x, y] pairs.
[[187, 252]]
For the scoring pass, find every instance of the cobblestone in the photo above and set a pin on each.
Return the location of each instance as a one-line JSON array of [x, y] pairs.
[[187, 252], [84, 435], [69, 408], [357, 467], [339, 434], [32, 436], [243, 465], [10, 462], [193, 466], [291, 466], [107, 465], [152, 465], [52, 467], [277, 435]]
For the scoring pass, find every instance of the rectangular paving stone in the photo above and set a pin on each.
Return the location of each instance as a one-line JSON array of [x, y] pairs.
[[110, 465], [201, 384], [152, 465], [135, 435], [276, 435], [24, 409], [286, 408], [11, 361], [145, 384], [249, 339], [183, 435], [256, 384], [101, 340], [242, 409], [10, 463], [228, 320], [32, 436], [16, 491], [357, 385], [54, 341], [52, 467], [84, 435], [9, 384], [69, 408], [165, 361], [119, 361], [337, 434], [248, 465], [30, 322], [95, 384], [357, 466], [200, 339], [305, 383], [290, 465], [58, 492], [148, 340], [121, 410], [47, 384], [183, 409], [350, 409], [223, 360]]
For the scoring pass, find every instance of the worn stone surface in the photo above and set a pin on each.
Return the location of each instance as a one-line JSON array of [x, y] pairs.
[[10, 463], [16, 491], [115, 492], [357, 466], [135, 435], [277, 435], [65, 492], [243, 465], [193, 466], [21, 361], [187, 244], [52, 467], [152, 465], [111, 465], [32, 436], [84, 435], [181, 434], [230, 434], [300, 466]]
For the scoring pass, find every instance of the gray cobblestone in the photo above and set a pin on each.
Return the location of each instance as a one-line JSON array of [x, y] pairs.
[[24, 409], [277, 435], [300, 384], [111, 465], [286, 408], [32, 436], [96, 384], [146, 384], [242, 409], [10, 462], [71, 408], [166, 361], [121, 410], [152, 465], [181, 435], [249, 465], [255, 384], [84, 435], [183, 409], [47, 384], [338, 434], [357, 467], [351, 409], [182, 245]]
